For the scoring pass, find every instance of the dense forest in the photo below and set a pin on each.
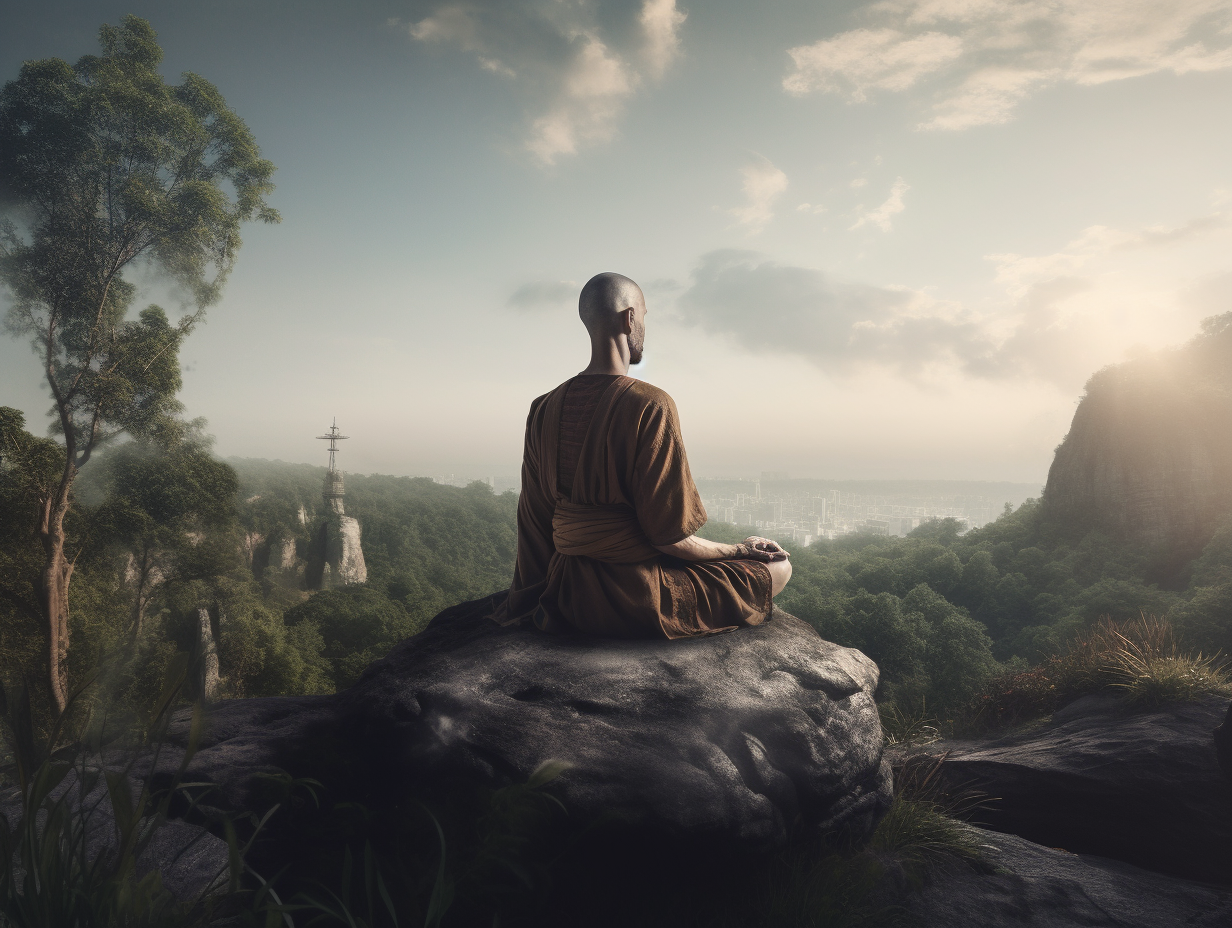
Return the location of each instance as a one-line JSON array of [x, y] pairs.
[[165, 532]]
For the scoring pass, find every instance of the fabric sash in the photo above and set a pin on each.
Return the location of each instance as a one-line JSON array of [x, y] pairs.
[[606, 533]]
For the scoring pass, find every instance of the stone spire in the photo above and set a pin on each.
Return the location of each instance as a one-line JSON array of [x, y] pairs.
[[337, 556], [333, 491]]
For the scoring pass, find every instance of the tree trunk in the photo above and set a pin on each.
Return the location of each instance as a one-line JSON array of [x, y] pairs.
[[207, 656], [137, 616], [53, 596]]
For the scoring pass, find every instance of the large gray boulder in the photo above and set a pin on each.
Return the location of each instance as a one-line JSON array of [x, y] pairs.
[[742, 739], [1141, 787], [1030, 886]]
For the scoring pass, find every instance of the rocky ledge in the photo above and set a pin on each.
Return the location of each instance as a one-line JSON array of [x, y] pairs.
[[1030, 886], [1143, 787], [741, 740]]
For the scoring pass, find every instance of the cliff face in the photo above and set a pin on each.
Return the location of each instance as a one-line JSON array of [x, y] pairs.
[[1149, 454]]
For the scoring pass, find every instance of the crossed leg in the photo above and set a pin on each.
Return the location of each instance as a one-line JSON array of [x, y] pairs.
[[780, 573]]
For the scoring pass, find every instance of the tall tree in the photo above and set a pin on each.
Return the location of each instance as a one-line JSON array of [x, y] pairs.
[[102, 165], [164, 504]]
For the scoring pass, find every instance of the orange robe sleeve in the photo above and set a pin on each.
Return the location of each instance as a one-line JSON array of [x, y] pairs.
[[666, 500]]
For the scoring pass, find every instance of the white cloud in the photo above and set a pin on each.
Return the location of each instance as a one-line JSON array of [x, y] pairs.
[[861, 60], [883, 216], [661, 22], [762, 184], [986, 56], [455, 25], [579, 73], [590, 101]]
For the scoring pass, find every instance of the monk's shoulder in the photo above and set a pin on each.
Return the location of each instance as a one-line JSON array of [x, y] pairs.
[[647, 396], [539, 403]]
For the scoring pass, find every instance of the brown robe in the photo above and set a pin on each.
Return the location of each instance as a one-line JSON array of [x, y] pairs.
[[586, 560]]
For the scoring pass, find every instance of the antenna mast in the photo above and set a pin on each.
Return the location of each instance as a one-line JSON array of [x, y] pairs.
[[333, 438]]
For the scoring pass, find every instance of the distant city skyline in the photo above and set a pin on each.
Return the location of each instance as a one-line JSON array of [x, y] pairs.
[[877, 239]]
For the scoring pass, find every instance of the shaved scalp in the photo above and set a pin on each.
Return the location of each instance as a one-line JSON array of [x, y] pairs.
[[603, 299]]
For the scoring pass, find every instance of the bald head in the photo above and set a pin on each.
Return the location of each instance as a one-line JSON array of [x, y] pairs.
[[604, 298]]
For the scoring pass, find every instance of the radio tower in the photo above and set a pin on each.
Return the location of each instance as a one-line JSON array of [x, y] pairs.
[[333, 438], [333, 491]]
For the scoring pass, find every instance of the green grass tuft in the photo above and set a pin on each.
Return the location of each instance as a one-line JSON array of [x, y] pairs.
[[1140, 660], [907, 726]]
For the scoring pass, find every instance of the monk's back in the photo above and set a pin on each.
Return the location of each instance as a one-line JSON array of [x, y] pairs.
[[605, 481]]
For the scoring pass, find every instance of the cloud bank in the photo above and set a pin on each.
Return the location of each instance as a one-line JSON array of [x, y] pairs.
[[837, 325], [987, 56], [1107, 292], [580, 68]]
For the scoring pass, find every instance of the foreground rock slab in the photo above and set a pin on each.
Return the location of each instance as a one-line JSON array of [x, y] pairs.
[[191, 862], [1039, 887], [1141, 787], [742, 739]]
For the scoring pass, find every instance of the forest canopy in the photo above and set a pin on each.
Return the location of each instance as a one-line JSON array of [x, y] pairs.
[[942, 611]]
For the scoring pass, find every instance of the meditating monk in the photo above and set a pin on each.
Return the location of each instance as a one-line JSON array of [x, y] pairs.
[[608, 510]]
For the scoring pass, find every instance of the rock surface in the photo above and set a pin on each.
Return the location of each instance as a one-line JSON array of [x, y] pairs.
[[1039, 887], [1145, 787], [1149, 453], [191, 861], [1223, 744], [739, 739]]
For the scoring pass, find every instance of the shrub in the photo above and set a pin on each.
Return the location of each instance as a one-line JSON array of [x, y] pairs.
[[357, 624], [1140, 660]]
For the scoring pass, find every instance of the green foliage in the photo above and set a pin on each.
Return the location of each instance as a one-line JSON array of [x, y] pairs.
[[103, 164], [427, 547], [945, 613], [1139, 660], [260, 655], [356, 625]]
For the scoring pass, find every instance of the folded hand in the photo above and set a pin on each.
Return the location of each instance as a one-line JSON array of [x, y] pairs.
[[763, 549]]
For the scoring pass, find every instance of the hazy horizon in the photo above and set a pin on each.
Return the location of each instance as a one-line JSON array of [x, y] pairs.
[[886, 240]]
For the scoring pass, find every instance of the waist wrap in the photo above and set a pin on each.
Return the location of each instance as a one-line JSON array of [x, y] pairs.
[[606, 533]]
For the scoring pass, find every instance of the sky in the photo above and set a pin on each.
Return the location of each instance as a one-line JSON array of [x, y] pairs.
[[877, 240]]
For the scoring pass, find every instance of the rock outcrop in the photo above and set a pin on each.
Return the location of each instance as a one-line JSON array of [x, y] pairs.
[[735, 741], [337, 556], [1149, 453], [1039, 887], [1145, 787]]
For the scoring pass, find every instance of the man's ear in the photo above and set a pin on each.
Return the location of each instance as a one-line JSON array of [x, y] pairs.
[[626, 321]]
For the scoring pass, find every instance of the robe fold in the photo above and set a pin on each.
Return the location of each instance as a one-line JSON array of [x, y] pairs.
[[586, 559]]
